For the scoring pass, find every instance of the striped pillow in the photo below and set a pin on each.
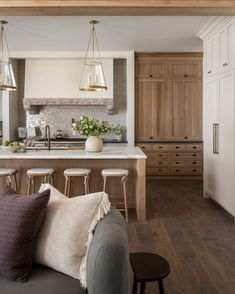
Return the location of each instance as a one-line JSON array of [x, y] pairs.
[[20, 220]]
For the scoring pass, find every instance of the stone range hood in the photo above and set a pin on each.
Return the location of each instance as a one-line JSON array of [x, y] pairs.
[[56, 82], [33, 104]]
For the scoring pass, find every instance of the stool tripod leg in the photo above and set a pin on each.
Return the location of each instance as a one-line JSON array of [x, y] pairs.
[[142, 287], [66, 186], [135, 287], [86, 183], [15, 182], [69, 185], [9, 180], [105, 181], [161, 286], [29, 185], [124, 179]]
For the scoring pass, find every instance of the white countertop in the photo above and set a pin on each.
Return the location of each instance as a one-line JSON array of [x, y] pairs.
[[107, 153]]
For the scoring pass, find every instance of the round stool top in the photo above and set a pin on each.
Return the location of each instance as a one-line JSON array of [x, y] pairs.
[[40, 171], [7, 171], [77, 172], [149, 266], [114, 172]]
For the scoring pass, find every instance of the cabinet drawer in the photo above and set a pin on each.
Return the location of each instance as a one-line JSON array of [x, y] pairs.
[[145, 147], [185, 156], [194, 147], [161, 147], [158, 156], [186, 163], [180, 147], [186, 171], [156, 163], [157, 171]]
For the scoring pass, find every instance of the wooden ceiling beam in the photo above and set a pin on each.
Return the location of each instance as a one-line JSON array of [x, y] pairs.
[[121, 7]]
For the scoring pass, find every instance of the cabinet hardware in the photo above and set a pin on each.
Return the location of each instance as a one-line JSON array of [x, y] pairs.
[[159, 162], [194, 170], [185, 76], [143, 147], [194, 147], [224, 64], [194, 155], [160, 147], [150, 76], [177, 147], [160, 155], [177, 155], [177, 162], [177, 170], [185, 137], [151, 137], [215, 138], [194, 162], [160, 170], [210, 71]]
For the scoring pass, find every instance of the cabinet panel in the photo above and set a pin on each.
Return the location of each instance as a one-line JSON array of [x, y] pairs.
[[226, 141], [151, 68], [224, 48], [161, 110], [186, 109], [186, 69], [144, 111]]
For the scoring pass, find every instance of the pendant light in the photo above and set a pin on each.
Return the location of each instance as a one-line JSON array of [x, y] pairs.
[[93, 78], [7, 78]]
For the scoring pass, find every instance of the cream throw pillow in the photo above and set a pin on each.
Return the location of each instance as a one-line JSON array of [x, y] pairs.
[[67, 231]]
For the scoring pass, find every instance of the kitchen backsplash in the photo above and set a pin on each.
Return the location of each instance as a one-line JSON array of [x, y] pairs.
[[60, 117]]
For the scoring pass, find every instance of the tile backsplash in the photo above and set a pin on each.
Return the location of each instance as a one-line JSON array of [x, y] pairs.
[[60, 117]]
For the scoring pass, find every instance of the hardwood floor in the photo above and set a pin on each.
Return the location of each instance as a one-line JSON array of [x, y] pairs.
[[192, 233]]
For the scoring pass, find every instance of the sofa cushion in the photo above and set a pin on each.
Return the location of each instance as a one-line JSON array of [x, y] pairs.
[[20, 220], [43, 280], [67, 231]]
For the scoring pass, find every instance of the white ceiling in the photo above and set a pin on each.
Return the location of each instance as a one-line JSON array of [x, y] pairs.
[[119, 33]]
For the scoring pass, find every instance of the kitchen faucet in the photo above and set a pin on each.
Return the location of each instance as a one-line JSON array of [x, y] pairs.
[[47, 137]]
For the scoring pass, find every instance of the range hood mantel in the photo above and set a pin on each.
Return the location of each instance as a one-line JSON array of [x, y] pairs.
[[56, 82]]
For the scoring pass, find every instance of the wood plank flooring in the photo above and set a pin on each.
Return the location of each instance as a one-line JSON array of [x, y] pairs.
[[194, 234]]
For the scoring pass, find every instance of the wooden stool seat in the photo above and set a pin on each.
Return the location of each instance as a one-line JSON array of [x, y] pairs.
[[76, 172], [9, 173], [148, 267], [33, 173], [117, 172]]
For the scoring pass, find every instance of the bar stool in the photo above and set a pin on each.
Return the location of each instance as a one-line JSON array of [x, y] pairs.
[[69, 173], [10, 173], [117, 172], [33, 173]]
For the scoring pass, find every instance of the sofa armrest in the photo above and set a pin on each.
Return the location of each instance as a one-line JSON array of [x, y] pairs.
[[108, 257]]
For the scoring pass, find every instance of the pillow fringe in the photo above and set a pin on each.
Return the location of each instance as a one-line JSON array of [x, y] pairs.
[[102, 210]]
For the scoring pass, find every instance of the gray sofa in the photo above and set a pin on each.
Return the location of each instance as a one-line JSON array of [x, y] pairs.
[[107, 266]]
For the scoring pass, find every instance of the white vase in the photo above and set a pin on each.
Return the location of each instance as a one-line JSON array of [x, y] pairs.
[[94, 144]]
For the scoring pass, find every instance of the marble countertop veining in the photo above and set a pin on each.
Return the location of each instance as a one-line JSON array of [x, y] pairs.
[[107, 153]]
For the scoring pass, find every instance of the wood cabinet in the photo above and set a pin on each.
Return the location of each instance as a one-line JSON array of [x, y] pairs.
[[152, 110], [170, 159], [168, 97]]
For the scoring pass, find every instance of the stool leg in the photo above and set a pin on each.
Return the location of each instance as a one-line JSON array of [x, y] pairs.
[[105, 180], [15, 182], [66, 186], [34, 184], [161, 286], [69, 185], [29, 185], [9, 180], [86, 183], [124, 179], [135, 286], [142, 287]]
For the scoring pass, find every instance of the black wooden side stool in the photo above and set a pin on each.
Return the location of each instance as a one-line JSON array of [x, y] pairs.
[[148, 267]]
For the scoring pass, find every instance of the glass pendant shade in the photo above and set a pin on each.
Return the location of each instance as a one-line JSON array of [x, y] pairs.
[[93, 78], [7, 78]]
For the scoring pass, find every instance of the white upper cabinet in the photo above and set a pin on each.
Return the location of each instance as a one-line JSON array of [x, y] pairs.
[[224, 47], [211, 52]]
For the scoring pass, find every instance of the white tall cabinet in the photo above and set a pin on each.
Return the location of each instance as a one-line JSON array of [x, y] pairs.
[[219, 111]]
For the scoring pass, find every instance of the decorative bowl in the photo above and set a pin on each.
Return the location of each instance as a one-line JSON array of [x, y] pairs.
[[11, 149]]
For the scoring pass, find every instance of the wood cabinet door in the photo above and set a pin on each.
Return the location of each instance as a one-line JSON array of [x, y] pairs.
[[210, 155], [144, 111], [161, 110], [151, 68], [143, 69], [185, 68], [186, 109], [226, 141]]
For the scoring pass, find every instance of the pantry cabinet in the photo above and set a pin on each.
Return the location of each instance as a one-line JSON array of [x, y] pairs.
[[219, 115]]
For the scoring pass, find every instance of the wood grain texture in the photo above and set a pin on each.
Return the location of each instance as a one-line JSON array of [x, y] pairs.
[[121, 7], [192, 233]]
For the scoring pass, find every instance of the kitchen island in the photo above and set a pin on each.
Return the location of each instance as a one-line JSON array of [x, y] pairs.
[[131, 158]]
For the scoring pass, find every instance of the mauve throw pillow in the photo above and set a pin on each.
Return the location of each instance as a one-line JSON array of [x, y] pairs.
[[20, 220]]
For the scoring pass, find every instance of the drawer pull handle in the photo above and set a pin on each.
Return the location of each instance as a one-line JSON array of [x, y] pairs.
[[194, 170], [210, 71], [185, 76], [150, 76], [160, 147], [194, 162], [177, 170], [159, 162], [160, 155], [143, 147], [177, 147], [185, 137], [177, 155], [160, 170], [194, 155], [194, 147], [177, 162], [225, 64], [151, 137]]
